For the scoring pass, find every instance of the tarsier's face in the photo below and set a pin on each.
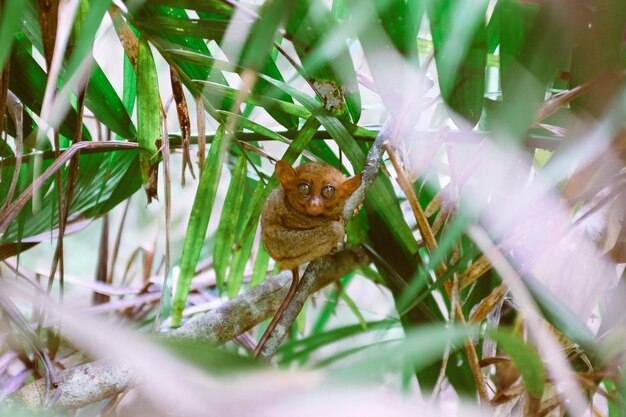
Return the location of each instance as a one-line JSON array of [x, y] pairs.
[[316, 189]]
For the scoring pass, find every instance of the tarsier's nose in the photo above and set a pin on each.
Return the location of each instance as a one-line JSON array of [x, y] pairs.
[[315, 207]]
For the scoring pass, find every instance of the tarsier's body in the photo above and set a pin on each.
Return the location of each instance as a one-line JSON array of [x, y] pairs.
[[302, 220]]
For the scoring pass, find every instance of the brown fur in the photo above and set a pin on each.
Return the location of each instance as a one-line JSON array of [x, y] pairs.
[[298, 228]]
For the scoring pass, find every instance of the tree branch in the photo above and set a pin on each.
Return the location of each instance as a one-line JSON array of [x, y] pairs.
[[98, 380], [313, 271]]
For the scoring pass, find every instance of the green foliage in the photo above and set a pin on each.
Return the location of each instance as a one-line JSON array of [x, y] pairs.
[[313, 80]]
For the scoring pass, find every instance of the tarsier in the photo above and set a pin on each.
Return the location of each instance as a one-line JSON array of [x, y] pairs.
[[302, 220]]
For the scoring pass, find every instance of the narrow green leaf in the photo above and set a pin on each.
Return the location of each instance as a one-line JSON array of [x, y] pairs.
[[295, 349], [212, 91], [245, 123], [333, 125], [606, 28], [340, 9], [309, 24], [256, 53], [261, 262], [547, 38], [148, 109], [9, 24], [209, 6], [106, 105], [459, 38], [526, 358], [130, 86], [199, 221], [210, 29], [400, 24], [28, 82], [103, 181], [187, 71], [231, 212], [354, 309], [516, 20]]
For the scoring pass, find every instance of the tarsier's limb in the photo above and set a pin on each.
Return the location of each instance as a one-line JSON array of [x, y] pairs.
[[318, 241], [279, 312]]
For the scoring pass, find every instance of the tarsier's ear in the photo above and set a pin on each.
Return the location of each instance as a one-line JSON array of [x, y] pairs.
[[285, 173], [351, 184]]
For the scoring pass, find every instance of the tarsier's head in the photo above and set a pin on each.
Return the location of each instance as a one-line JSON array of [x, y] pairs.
[[316, 189]]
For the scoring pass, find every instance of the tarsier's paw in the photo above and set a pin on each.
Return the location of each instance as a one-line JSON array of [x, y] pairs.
[[336, 249]]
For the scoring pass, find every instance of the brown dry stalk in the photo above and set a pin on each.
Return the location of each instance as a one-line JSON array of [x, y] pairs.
[[476, 270], [488, 303], [555, 103], [431, 245]]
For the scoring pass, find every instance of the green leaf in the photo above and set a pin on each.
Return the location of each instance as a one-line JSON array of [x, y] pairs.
[[460, 42], [106, 105], [547, 39], [294, 350], [245, 123], [103, 181], [354, 309], [130, 85], [400, 24], [231, 212], [526, 358], [606, 28], [256, 53], [213, 91], [333, 77], [516, 20], [209, 6], [28, 82], [9, 23], [333, 125], [165, 41], [199, 221], [148, 109], [259, 271]]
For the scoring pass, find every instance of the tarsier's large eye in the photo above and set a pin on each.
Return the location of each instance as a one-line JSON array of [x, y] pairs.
[[304, 188], [328, 191]]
